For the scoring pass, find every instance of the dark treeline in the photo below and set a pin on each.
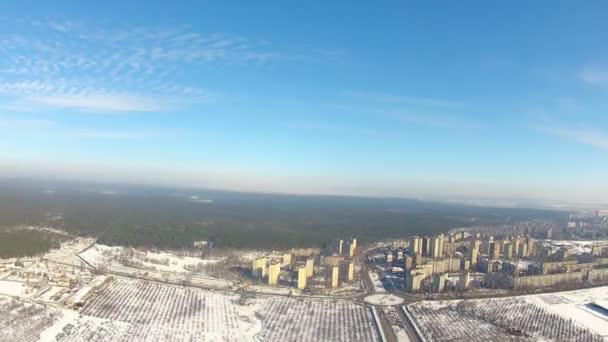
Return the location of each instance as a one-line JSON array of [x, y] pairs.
[[21, 243], [172, 218]]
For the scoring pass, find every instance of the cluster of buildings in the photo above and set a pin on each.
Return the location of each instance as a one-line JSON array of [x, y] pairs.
[[309, 267], [462, 259]]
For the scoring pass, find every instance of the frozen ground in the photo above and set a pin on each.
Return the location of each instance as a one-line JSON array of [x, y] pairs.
[[12, 288], [577, 246], [139, 310], [561, 316], [160, 266], [383, 299]]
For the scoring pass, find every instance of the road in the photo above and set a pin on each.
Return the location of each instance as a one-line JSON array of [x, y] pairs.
[[370, 289]]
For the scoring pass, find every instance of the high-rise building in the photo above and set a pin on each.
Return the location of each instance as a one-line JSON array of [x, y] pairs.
[[338, 246], [273, 273], [474, 253], [353, 242], [350, 271], [530, 246], [441, 242], [258, 268], [414, 248], [464, 280], [286, 260], [408, 261], [494, 250], [509, 250], [302, 277], [523, 250], [310, 265], [439, 281], [351, 249], [335, 274], [434, 249], [413, 281], [426, 244]]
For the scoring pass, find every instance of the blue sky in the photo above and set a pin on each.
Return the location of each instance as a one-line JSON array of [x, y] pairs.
[[427, 99]]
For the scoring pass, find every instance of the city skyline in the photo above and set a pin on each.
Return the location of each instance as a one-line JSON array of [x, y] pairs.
[[473, 101]]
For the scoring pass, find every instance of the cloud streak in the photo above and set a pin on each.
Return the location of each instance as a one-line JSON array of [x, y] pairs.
[[582, 135], [594, 76], [394, 99], [130, 69], [41, 127]]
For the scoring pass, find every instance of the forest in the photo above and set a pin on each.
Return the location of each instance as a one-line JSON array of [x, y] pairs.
[[143, 216], [21, 243]]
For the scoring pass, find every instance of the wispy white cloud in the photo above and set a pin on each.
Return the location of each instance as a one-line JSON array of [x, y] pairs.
[[98, 102], [25, 124], [130, 69], [594, 76], [42, 127], [444, 121], [393, 99], [578, 133]]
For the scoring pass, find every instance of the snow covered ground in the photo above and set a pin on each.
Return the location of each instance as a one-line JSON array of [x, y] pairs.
[[560, 316], [576, 246], [13, 288], [400, 333], [138, 310], [384, 299], [99, 255]]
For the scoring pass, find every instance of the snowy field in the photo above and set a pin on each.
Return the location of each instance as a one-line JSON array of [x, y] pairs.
[[23, 322], [383, 299], [562, 316], [100, 255], [160, 266], [138, 310]]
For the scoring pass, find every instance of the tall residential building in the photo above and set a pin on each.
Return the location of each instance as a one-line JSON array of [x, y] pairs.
[[310, 265], [408, 260], [509, 250], [434, 249], [441, 242], [258, 268], [302, 277], [413, 281], [515, 244], [420, 241], [273, 273], [464, 280], [494, 250], [350, 271], [351, 249], [338, 245], [523, 250], [286, 260], [335, 275], [414, 245], [353, 242], [530, 246], [439, 281], [474, 253], [426, 244]]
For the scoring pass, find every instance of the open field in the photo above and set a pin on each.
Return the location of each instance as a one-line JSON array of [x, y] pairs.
[[137, 310], [561, 316]]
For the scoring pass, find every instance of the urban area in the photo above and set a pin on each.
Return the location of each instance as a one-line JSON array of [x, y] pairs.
[[530, 280]]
